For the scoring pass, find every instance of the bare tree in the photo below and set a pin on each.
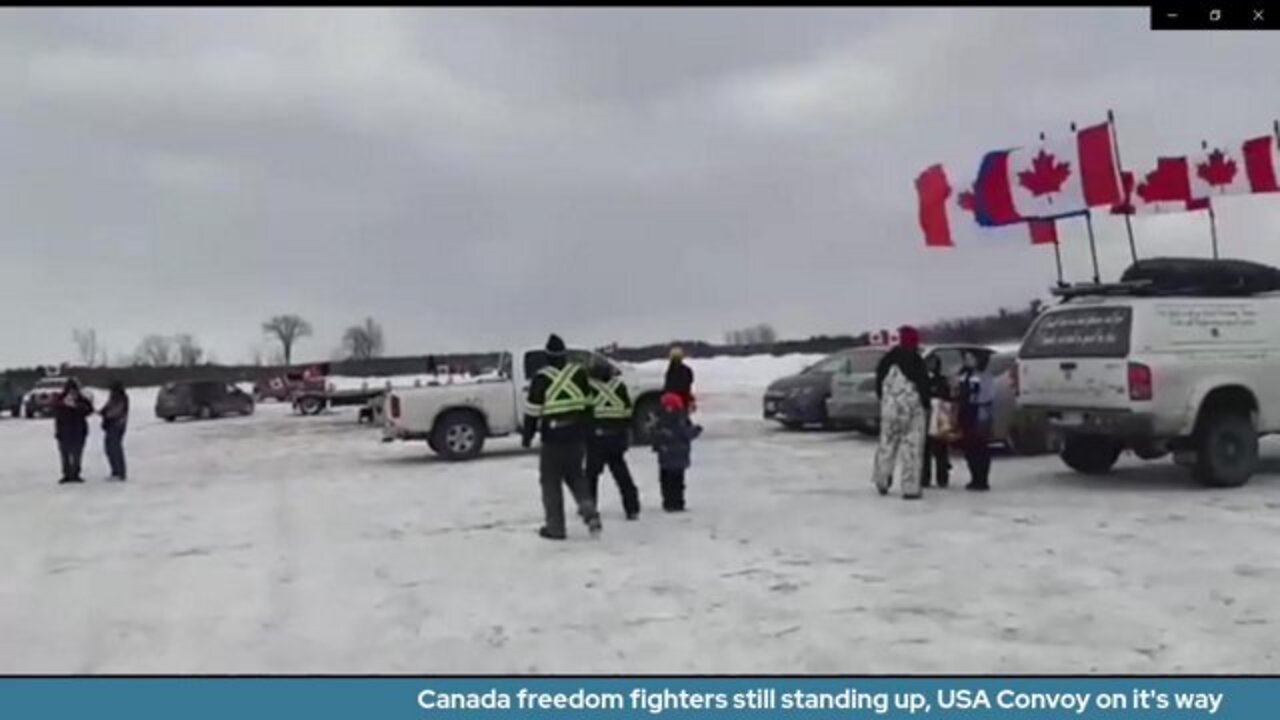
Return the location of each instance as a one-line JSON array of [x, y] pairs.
[[88, 351], [363, 342], [154, 350], [188, 350], [288, 329]]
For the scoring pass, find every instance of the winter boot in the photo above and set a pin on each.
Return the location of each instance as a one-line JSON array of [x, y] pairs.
[[546, 534]]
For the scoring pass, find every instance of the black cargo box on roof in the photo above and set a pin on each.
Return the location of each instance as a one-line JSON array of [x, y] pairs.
[[1202, 277]]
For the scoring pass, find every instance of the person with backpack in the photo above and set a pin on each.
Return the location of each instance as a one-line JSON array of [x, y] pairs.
[[672, 440]]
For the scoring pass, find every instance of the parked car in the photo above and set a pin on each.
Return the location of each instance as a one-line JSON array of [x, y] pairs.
[[1181, 356], [203, 399], [800, 400], [11, 395], [38, 402], [455, 419]]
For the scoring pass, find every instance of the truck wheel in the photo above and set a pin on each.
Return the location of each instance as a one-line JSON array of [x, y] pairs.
[[1090, 454], [311, 405], [644, 420], [170, 418], [459, 436], [1226, 450]]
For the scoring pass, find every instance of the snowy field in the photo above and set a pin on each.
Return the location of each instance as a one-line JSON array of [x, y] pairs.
[[275, 544]]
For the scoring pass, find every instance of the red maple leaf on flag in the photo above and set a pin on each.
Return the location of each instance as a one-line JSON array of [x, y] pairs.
[[967, 201], [1218, 171], [1046, 175]]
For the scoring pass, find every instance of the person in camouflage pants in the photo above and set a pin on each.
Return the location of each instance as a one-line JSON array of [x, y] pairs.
[[902, 385]]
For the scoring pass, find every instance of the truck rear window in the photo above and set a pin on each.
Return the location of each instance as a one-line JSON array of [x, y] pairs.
[[1080, 332]]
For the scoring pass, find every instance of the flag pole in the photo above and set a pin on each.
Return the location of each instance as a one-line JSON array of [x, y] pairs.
[[1115, 145], [1213, 218], [1213, 230], [1093, 247], [1057, 258]]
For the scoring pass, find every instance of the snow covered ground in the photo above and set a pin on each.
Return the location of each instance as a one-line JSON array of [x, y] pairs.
[[277, 543]]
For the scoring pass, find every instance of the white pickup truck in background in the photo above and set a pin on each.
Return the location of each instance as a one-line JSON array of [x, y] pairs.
[[456, 419]]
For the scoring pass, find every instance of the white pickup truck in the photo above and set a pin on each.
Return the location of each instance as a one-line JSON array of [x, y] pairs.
[[1182, 357], [456, 419]]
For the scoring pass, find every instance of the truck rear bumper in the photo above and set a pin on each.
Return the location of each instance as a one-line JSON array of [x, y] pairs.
[[1124, 424]]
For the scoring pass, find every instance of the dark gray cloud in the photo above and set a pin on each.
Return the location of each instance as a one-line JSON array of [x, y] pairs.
[[475, 178]]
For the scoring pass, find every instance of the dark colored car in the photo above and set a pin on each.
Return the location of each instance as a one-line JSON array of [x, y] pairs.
[[203, 399], [800, 400], [11, 395]]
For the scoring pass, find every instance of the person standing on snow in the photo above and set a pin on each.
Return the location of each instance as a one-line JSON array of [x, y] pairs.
[[71, 411], [559, 407], [610, 436], [937, 452], [115, 420], [902, 385], [977, 394], [672, 440], [679, 379]]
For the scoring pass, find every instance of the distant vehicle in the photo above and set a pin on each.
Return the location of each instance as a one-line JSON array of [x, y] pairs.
[[204, 399], [11, 395], [1181, 356], [455, 419], [314, 402], [38, 402], [287, 387], [800, 400]]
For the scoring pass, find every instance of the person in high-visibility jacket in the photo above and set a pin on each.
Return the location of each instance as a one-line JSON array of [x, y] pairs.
[[610, 436], [559, 407]]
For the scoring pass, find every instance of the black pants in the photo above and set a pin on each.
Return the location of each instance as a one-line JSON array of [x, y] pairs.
[[71, 452], [672, 483], [936, 454], [977, 454], [611, 451], [562, 463], [113, 444]]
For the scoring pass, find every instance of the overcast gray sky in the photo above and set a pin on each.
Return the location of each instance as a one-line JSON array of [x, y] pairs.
[[476, 178]]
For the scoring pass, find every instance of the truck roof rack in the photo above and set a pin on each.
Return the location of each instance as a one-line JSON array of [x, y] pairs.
[[1184, 277]]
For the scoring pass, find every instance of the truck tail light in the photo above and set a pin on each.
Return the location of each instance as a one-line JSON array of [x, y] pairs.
[[1141, 386], [395, 407]]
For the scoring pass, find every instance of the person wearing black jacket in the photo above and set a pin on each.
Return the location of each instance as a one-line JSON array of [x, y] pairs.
[[559, 408], [610, 437], [936, 450], [71, 411], [679, 379], [902, 384], [115, 420]]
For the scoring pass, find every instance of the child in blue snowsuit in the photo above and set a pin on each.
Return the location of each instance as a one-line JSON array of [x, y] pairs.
[[673, 440]]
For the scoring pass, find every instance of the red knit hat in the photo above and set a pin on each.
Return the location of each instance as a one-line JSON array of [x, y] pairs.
[[672, 401], [908, 337]]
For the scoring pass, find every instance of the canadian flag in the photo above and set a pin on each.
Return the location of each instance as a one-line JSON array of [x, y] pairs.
[[1248, 167], [947, 217], [1049, 180], [1167, 188]]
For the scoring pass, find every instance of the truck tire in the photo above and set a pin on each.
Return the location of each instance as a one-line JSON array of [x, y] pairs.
[[311, 405], [459, 435], [1226, 449], [644, 419], [1090, 454]]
